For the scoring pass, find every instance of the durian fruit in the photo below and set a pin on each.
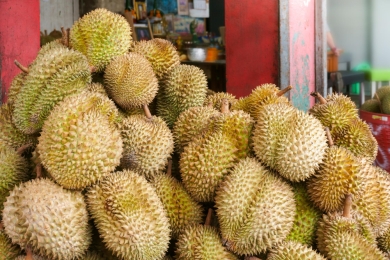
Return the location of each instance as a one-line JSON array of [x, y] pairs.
[[31, 256], [79, 143], [358, 138], [129, 216], [182, 210], [336, 111], [215, 100], [49, 219], [385, 104], [190, 124], [201, 242], [147, 143], [185, 86], [10, 135], [241, 104], [57, 44], [55, 75], [384, 241], [255, 208], [130, 81], [101, 35], [382, 92], [13, 171], [15, 87], [160, 53], [347, 236], [306, 217], [7, 249], [97, 87], [293, 251], [339, 174], [371, 105]]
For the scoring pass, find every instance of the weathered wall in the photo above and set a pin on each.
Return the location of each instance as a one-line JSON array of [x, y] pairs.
[[58, 13], [19, 38], [117, 6]]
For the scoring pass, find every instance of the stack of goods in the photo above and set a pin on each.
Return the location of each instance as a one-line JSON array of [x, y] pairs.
[[112, 149], [380, 103]]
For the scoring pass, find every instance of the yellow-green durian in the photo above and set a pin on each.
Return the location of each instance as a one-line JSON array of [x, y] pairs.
[[130, 81], [129, 216], [14, 169], [292, 250], [51, 220], [204, 163], [215, 100], [358, 138], [15, 87], [190, 124], [58, 73], [241, 104], [382, 92], [101, 35], [386, 104], [97, 87], [255, 208], [182, 210], [10, 135], [198, 242], [57, 44], [185, 86], [371, 105], [79, 143], [147, 144], [306, 217], [8, 251], [160, 53]]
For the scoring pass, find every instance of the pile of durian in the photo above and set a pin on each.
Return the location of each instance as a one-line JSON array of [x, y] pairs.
[[380, 103], [112, 149]]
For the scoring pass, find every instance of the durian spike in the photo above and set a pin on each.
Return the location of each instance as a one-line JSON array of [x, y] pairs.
[[284, 91], [330, 140], [21, 67], [225, 106], [208, 217], [147, 111], [319, 97], [169, 168], [38, 170], [23, 148], [65, 37], [29, 254], [380, 103], [347, 206]]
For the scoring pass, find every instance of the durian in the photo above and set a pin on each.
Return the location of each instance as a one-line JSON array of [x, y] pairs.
[[129, 216], [160, 53], [130, 81], [215, 100], [384, 241], [79, 143], [255, 208], [97, 87], [371, 105], [49, 219], [15, 87], [385, 104], [101, 35], [382, 92], [293, 251], [8, 250]]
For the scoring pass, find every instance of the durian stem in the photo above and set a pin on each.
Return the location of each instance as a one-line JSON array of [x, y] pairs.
[[64, 38], [21, 67], [147, 111], [380, 103], [38, 170], [208, 217], [68, 36], [284, 91], [29, 254], [92, 69], [169, 168], [225, 106], [319, 97], [330, 140], [347, 206], [23, 148]]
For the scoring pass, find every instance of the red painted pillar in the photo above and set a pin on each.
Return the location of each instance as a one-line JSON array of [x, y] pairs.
[[252, 44], [19, 38]]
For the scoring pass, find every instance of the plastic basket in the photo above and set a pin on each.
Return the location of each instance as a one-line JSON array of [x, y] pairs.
[[380, 126]]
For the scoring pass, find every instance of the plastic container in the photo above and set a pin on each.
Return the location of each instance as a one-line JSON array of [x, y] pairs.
[[380, 126]]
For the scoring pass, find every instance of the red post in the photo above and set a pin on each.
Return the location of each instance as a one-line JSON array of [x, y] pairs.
[[19, 38]]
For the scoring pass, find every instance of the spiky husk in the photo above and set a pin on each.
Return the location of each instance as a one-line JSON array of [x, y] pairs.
[[185, 86], [190, 124], [199, 242], [241, 104], [51, 220], [182, 210], [57, 44], [255, 208], [384, 241], [383, 91], [306, 218], [216, 99], [160, 53], [129, 216], [55, 75], [34, 257], [338, 175], [293, 251], [79, 143], [386, 104], [205, 162], [97, 87], [101, 35], [371, 105], [15, 87], [147, 144], [7, 249], [130, 81]]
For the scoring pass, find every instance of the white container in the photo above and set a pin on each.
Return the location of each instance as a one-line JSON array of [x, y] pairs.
[[196, 54]]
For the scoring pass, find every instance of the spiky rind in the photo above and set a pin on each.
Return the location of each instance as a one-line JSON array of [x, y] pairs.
[[384, 241], [386, 104], [34, 257], [7, 249], [15, 87], [216, 99], [101, 35], [129, 216], [199, 242], [371, 105], [97, 87], [51, 220], [130, 81], [383, 91], [293, 251], [255, 209]]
